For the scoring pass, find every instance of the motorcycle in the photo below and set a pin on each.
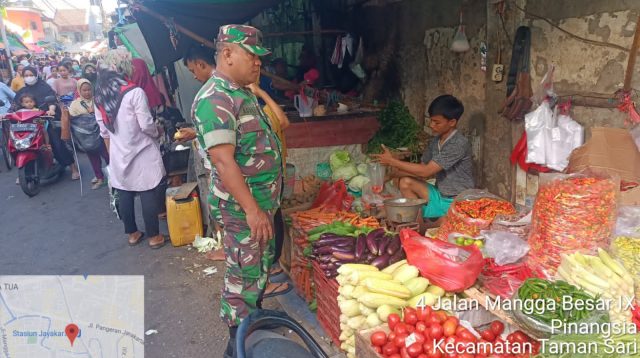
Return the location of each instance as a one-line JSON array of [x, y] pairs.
[[29, 146]]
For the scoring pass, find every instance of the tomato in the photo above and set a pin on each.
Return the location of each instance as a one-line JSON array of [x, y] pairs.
[[421, 327], [404, 353], [378, 338], [409, 310], [400, 341], [449, 327], [453, 319], [497, 328], [422, 355], [466, 335], [433, 319], [401, 328], [420, 338], [410, 317], [488, 335], [389, 349], [520, 337], [436, 331], [423, 313], [465, 355], [395, 355], [392, 320], [391, 337], [442, 316], [434, 354], [378, 349], [414, 350]]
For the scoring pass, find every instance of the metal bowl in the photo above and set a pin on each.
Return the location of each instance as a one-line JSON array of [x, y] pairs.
[[403, 210]]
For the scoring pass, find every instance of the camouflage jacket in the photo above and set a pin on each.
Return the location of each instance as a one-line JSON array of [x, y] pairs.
[[225, 113]]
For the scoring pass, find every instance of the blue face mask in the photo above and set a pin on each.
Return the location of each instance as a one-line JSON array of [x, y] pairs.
[[76, 67]]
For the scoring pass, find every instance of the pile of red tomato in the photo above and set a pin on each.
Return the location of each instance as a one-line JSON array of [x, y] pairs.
[[421, 330]]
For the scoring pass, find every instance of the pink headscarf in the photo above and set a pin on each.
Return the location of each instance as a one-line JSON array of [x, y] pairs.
[[142, 78]]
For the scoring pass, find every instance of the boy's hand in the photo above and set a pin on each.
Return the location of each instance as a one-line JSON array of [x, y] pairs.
[[385, 157], [185, 134]]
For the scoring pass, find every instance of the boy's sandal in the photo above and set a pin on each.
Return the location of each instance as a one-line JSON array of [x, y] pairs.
[[134, 242]]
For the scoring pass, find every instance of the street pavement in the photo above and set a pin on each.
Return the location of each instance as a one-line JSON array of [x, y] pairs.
[[60, 232]]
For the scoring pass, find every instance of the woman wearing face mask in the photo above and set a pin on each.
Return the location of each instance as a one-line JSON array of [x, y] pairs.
[[40, 90], [76, 69], [64, 85], [89, 72]]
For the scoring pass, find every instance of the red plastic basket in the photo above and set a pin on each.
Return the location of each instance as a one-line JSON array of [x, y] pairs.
[[327, 298]]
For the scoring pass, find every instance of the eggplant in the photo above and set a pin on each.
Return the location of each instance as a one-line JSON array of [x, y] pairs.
[[344, 243], [370, 257], [399, 255], [344, 255], [372, 245], [324, 266], [333, 240], [324, 258], [324, 250], [330, 273], [377, 233], [361, 246], [333, 266], [381, 261], [382, 245], [394, 245]]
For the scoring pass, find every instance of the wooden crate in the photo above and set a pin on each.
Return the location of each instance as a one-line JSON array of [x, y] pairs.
[[363, 342]]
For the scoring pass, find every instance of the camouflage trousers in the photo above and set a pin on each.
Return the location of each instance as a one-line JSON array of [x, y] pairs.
[[248, 262]]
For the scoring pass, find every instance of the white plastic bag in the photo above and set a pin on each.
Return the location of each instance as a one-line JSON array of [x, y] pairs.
[[561, 140], [628, 221], [535, 123], [504, 247]]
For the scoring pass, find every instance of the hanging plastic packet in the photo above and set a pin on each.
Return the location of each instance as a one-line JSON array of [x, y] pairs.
[[460, 42]]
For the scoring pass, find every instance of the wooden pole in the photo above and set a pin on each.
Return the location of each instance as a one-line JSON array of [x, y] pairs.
[[179, 27], [628, 76]]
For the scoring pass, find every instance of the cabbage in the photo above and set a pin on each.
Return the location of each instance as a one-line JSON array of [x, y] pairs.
[[363, 169], [339, 159], [358, 182], [346, 172]]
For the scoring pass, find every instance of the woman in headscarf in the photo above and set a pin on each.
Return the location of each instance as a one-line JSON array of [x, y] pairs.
[[131, 137], [83, 105], [89, 72], [40, 90], [142, 78]]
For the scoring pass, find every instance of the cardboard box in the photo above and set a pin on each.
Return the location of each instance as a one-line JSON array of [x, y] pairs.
[[610, 151]]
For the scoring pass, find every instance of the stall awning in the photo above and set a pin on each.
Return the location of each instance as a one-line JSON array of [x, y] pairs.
[[202, 17]]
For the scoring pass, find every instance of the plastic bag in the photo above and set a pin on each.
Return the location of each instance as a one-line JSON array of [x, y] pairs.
[[571, 213], [518, 224], [473, 210], [562, 138], [504, 280], [535, 124], [504, 247], [333, 196], [452, 267], [628, 221]]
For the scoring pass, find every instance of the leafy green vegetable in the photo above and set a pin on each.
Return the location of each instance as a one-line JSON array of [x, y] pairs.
[[363, 169], [339, 159], [356, 183], [398, 129], [345, 173]]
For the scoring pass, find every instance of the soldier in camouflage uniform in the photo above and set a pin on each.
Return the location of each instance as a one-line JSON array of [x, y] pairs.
[[246, 169]]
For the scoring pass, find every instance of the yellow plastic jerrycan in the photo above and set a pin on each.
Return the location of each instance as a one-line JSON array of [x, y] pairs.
[[184, 217]]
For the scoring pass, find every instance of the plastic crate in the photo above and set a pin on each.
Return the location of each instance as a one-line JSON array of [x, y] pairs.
[[327, 299], [301, 269]]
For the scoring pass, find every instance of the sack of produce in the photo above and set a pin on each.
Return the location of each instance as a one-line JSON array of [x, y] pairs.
[[504, 280], [473, 210], [452, 267], [542, 309], [574, 213]]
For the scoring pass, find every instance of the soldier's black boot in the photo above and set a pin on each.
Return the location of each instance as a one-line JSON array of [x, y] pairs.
[[230, 352]]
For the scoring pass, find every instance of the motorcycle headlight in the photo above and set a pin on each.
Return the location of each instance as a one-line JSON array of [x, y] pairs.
[[22, 144]]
